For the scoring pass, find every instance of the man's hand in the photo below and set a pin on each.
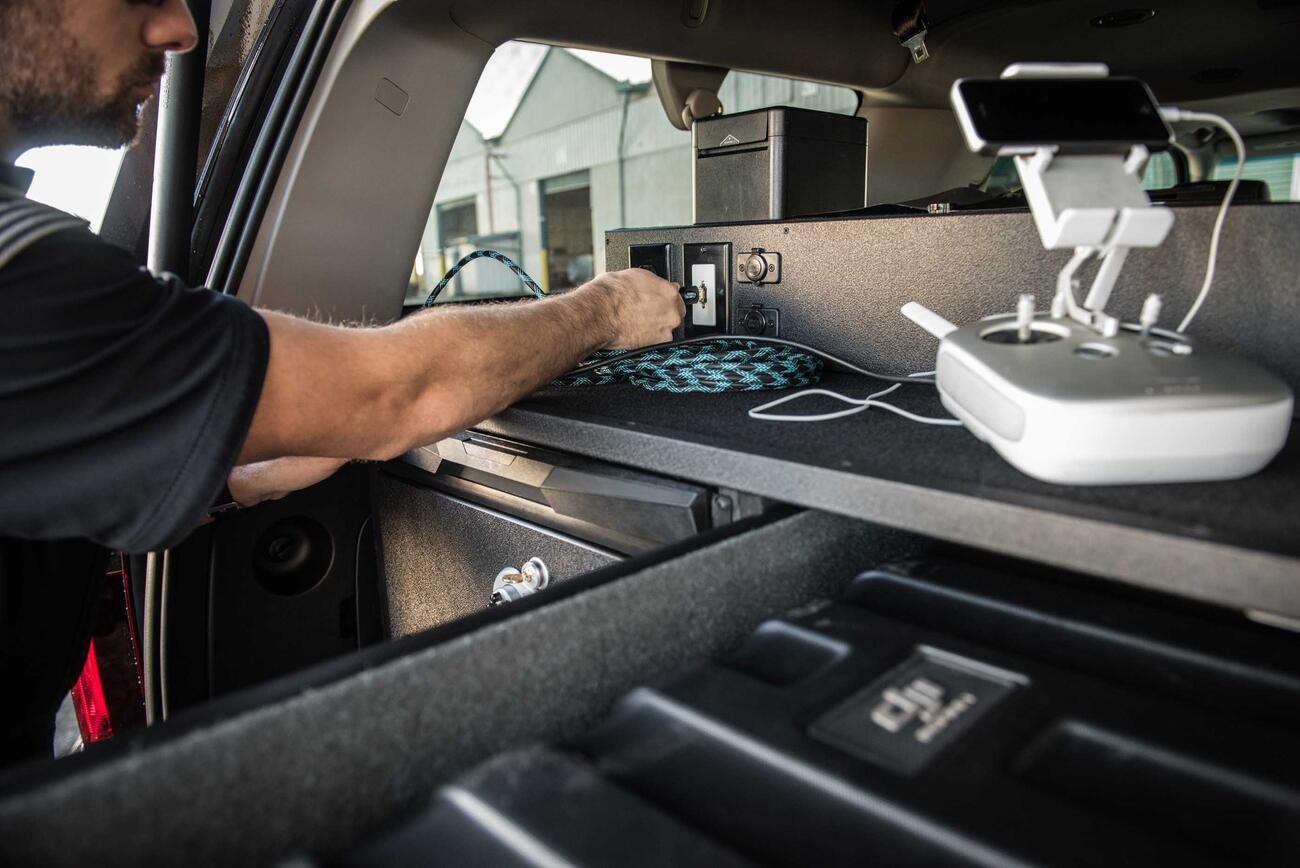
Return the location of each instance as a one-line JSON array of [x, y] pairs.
[[250, 484], [643, 307]]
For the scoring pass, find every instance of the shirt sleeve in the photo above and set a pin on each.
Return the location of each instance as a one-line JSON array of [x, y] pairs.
[[125, 397]]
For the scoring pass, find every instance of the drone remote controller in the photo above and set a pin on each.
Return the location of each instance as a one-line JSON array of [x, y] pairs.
[[1065, 404], [1073, 395]]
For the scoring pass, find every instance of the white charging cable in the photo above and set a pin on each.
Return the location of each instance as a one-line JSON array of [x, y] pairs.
[[858, 405], [1177, 115]]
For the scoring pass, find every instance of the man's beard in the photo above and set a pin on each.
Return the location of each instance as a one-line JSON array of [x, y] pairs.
[[48, 90]]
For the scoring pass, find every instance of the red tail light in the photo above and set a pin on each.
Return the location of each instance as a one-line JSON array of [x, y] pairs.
[[108, 696], [88, 700]]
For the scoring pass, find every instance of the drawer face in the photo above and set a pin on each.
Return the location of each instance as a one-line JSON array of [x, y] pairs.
[[441, 554], [613, 508]]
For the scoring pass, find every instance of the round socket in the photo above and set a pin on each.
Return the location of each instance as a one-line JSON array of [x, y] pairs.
[[292, 556], [1009, 333], [754, 322]]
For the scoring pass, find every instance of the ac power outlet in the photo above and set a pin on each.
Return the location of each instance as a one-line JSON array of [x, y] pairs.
[[655, 258]]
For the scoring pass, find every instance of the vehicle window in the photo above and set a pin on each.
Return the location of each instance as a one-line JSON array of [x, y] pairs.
[[1161, 172], [558, 146], [1280, 173], [1002, 177]]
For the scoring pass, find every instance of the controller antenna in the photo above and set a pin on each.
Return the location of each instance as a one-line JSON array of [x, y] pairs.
[[1150, 313], [1025, 317]]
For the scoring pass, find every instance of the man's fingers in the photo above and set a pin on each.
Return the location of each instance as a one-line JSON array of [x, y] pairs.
[[646, 315]]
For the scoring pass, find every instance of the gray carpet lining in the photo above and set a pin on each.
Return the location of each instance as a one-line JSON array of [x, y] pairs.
[[315, 772]]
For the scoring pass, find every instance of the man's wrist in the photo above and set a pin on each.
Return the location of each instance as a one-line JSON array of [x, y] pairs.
[[599, 306]]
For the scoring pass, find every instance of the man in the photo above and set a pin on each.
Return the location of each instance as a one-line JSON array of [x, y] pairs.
[[127, 398]]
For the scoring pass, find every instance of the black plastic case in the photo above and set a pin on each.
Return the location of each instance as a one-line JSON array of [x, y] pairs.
[[775, 163]]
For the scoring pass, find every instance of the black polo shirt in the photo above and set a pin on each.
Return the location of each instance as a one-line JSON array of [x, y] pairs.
[[125, 399]]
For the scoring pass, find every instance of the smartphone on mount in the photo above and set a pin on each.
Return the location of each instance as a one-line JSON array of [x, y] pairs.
[[1071, 115]]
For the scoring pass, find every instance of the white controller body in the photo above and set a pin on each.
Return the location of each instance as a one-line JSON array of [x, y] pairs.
[[1076, 408], [1076, 397]]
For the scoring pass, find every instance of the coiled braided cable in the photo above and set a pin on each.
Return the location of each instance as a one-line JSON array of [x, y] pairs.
[[483, 254], [712, 364]]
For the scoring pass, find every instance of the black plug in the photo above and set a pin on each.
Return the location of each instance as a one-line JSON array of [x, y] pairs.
[[690, 295]]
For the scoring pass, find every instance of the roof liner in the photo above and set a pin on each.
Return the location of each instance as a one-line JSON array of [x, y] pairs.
[[1188, 50], [1208, 52], [846, 42]]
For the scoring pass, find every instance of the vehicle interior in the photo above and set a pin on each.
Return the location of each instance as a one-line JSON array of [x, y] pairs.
[[1114, 669]]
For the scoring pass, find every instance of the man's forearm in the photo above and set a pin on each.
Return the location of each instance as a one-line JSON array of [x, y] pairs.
[[472, 362], [374, 393]]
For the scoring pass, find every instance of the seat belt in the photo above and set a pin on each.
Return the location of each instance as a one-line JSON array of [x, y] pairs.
[[911, 23]]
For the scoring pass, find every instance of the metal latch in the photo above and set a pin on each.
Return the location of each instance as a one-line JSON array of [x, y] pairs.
[[916, 45], [515, 584], [911, 24]]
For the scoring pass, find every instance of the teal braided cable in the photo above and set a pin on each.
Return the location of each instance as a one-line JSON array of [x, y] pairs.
[[724, 364], [483, 254], [713, 366]]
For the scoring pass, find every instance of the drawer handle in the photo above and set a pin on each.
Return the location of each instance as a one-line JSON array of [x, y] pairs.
[[515, 584]]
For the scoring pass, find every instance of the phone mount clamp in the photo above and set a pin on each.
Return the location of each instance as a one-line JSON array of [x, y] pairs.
[[1091, 202]]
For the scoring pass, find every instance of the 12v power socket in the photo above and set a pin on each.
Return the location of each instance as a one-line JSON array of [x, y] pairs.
[[758, 266]]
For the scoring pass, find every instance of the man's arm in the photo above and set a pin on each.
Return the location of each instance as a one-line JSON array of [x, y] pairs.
[[375, 393]]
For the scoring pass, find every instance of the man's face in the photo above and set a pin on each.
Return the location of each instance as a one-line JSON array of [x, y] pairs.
[[77, 71]]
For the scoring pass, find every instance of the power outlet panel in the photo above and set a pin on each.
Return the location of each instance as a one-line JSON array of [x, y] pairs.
[[656, 258], [708, 268]]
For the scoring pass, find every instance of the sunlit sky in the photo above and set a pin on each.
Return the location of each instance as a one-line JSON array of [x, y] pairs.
[[73, 179], [511, 68], [79, 180]]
